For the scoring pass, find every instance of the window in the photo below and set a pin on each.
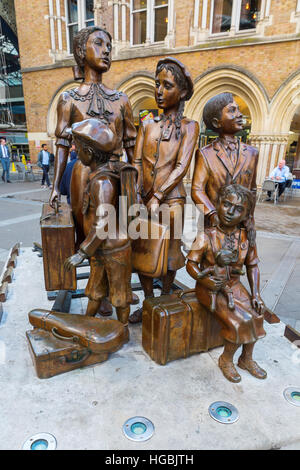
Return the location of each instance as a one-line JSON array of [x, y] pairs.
[[149, 21], [79, 14], [139, 21], [241, 14], [160, 20], [89, 13], [222, 14], [249, 14]]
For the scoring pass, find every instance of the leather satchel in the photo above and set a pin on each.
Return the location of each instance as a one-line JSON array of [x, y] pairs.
[[150, 255]]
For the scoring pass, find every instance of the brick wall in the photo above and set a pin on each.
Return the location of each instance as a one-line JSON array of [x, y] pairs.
[[271, 63]]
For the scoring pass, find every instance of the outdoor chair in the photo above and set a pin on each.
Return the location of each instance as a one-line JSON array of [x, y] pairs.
[[289, 190], [269, 186], [24, 173]]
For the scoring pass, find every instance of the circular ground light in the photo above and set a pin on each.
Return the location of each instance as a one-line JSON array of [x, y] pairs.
[[223, 412], [292, 395], [41, 441], [138, 429]]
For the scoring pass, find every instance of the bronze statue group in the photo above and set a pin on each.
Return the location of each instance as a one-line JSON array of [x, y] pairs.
[[100, 122]]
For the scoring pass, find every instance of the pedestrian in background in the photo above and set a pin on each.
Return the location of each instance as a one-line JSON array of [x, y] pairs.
[[73, 153], [5, 159], [66, 180], [44, 163]]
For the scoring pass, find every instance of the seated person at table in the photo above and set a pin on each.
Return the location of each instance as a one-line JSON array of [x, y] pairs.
[[280, 175]]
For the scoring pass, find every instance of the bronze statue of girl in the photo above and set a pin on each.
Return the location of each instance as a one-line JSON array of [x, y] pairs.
[[163, 153], [242, 322]]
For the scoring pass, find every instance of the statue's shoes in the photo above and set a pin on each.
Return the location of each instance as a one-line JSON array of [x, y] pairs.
[[105, 309], [229, 371], [136, 316], [252, 367], [135, 299]]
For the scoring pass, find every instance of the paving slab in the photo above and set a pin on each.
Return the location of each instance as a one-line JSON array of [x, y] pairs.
[[86, 408]]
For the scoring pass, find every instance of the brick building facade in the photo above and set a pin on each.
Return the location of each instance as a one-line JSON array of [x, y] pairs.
[[250, 48]]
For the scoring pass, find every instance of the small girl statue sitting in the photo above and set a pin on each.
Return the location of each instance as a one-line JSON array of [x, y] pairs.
[[221, 252]]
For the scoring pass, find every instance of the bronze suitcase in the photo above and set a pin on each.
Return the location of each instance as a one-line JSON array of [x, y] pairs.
[[52, 356], [176, 326], [58, 242], [99, 335]]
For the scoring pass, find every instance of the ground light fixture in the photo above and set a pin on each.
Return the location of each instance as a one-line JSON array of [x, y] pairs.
[[223, 412], [138, 429], [41, 441], [292, 395]]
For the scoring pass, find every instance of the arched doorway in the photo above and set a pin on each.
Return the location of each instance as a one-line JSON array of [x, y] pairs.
[[145, 109], [292, 156], [285, 120], [140, 89]]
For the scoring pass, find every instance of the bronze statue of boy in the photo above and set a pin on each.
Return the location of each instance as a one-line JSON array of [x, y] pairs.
[[225, 161], [109, 252]]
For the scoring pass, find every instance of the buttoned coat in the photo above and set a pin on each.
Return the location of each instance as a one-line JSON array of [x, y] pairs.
[[161, 170], [214, 169]]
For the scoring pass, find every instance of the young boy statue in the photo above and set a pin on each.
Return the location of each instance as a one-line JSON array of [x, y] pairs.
[[109, 253], [163, 152], [225, 161], [242, 322]]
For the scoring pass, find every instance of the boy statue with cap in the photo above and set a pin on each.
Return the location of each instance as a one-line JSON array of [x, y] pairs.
[[225, 161], [163, 152], [109, 251]]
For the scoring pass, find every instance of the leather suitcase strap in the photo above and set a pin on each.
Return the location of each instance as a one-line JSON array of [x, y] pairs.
[[43, 320], [190, 322]]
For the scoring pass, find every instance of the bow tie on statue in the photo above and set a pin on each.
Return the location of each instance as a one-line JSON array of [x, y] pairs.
[[232, 149]]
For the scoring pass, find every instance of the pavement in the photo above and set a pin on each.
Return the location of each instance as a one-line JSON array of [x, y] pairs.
[[86, 408]]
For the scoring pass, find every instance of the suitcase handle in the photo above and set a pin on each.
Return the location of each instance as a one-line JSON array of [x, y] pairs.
[[182, 293], [56, 212], [74, 339]]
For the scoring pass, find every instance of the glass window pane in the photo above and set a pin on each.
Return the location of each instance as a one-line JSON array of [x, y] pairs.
[[222, 16], [72, 31], [161, 24], [139, 4], [72, 11], [90, 23], [139, 27], [89, 8], [160, 2], [249, 14]]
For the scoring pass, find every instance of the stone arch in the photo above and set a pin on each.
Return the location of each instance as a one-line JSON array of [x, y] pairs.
[[137, 87], [284, 104], [237, 81], [51, 116]]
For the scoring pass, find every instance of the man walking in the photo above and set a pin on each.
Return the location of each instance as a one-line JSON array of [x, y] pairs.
[[44, 163], [5, 159]]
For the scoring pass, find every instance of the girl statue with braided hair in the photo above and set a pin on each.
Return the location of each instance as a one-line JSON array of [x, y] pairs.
[[163, 152]]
